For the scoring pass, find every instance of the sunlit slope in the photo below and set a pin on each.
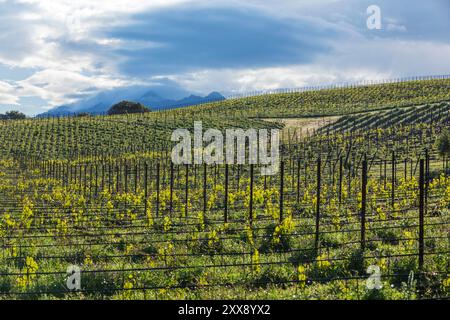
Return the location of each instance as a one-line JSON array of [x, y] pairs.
[[339, 101], [437, 114]]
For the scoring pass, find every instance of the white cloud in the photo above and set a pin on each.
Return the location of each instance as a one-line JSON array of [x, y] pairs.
[[34, 37], [7, 94], [352, 61], [394, 25], [233, 81], [54, 85], [392, 56]]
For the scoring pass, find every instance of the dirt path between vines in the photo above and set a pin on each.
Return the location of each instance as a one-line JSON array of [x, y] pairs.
[[304, 125]]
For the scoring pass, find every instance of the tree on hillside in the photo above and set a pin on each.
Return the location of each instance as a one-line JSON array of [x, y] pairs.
[[443, 146], [443, 143], [125, 107], [83, 114], [12, 115]]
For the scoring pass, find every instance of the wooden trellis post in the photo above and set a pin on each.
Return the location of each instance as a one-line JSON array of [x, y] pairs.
[[281, 190], [298, 180], [157, 188], [145, 187], [393, 182], [421, 213], [340, 179], [251, 196], [186, 208], [225, 217], [316, 240], [363, 204], [204, 189], [171, 189]]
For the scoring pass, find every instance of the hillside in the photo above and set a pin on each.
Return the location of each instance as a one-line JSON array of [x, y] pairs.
[[438, 113], [339, 101], [112, 135]]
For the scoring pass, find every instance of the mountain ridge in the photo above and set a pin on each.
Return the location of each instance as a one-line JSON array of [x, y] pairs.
[[101, 102]]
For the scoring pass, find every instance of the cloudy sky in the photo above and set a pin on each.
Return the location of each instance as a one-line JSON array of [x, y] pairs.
[[54, 52]]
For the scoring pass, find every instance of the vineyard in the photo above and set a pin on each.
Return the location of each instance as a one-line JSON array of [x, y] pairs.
[[101, 193]]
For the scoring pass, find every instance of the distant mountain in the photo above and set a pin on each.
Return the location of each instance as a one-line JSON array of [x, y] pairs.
[[155, 98]]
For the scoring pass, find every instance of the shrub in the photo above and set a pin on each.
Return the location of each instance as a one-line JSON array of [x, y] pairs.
[[443, 143], [125, 107]]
